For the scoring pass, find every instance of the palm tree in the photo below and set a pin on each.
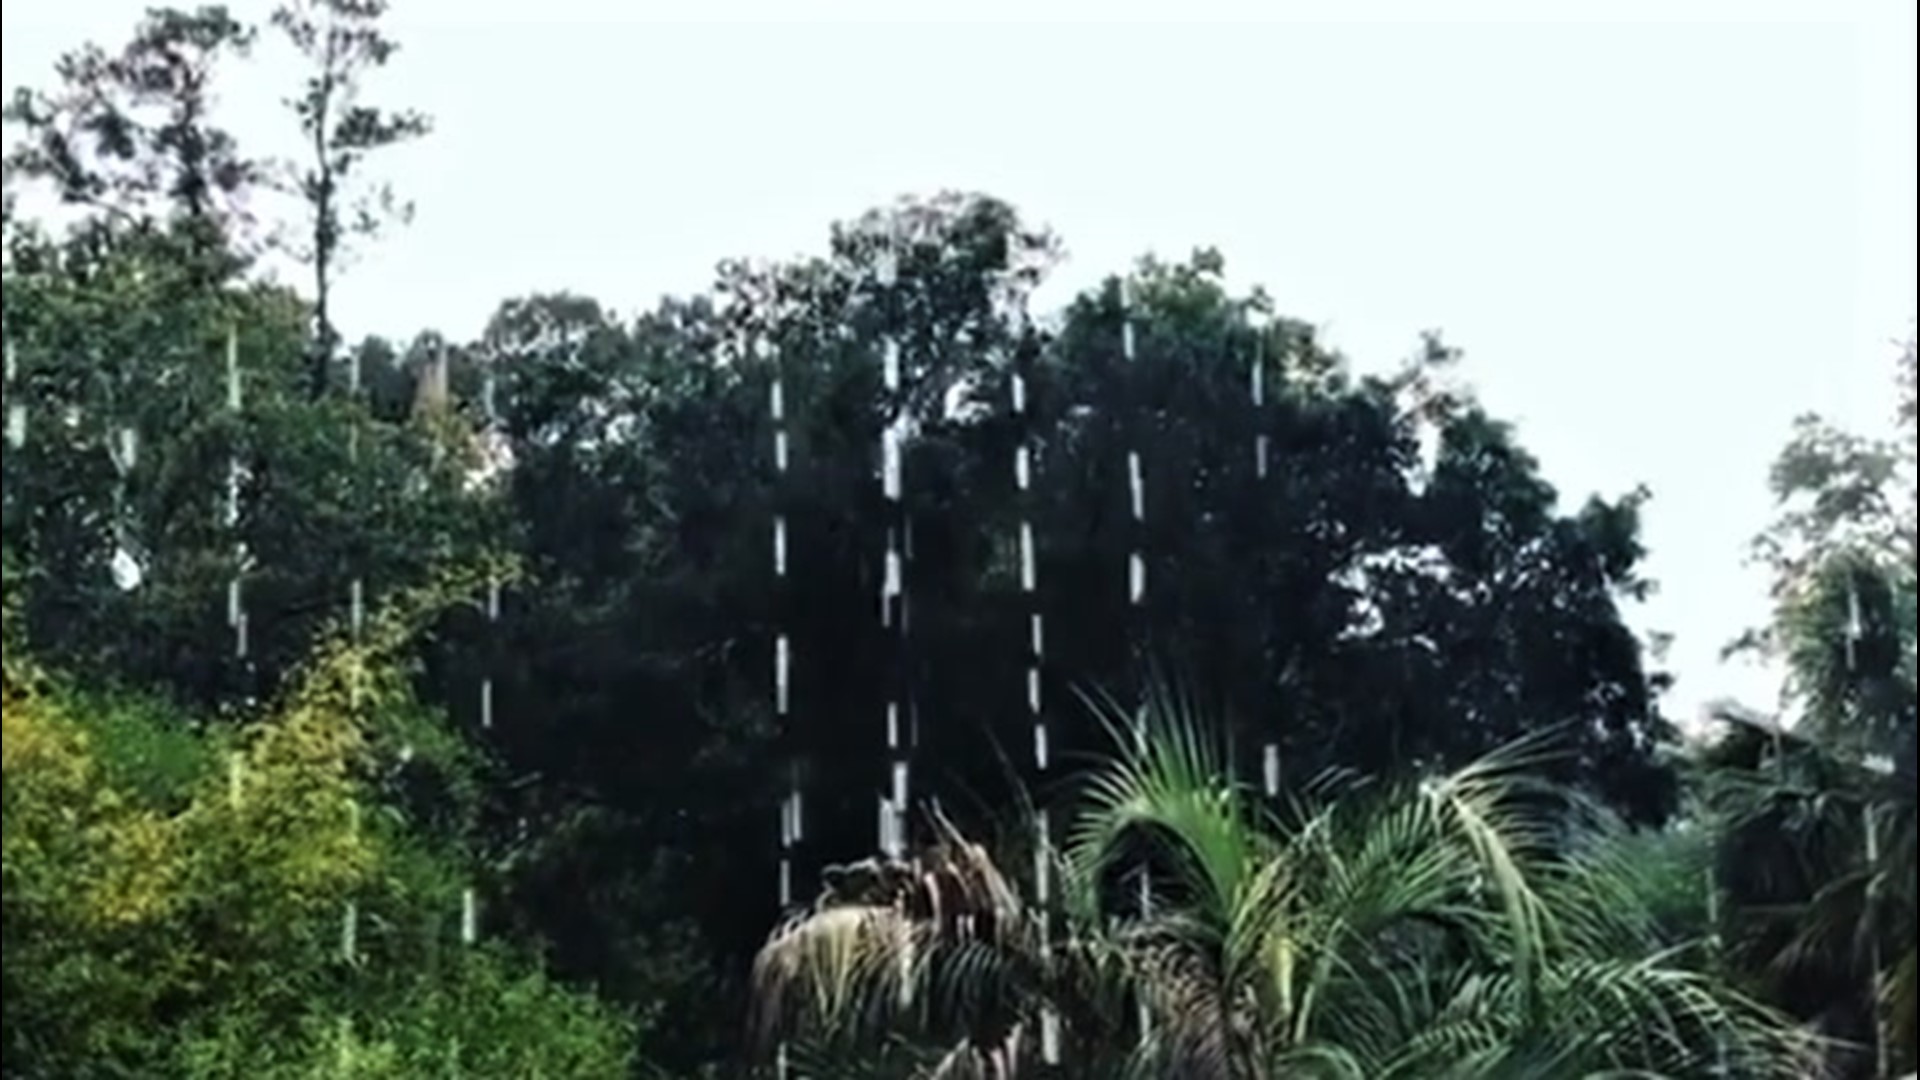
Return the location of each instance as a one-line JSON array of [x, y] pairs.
[[1818, 818], [1817, 807], [1472, 925], [1818, 857]]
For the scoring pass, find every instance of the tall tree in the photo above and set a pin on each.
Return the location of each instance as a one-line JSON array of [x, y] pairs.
[[114, 333], [130, 135], [1841, 557], [115, 330], [1818, 856], [343, 43], [1350, 606]]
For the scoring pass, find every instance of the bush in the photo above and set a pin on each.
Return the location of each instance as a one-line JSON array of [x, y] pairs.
[[175, 897]]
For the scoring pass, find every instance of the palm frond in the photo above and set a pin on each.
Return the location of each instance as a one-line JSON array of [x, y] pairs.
[[1475, 925]]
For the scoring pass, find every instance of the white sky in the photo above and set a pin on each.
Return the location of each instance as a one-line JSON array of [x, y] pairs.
[[1658, 233]]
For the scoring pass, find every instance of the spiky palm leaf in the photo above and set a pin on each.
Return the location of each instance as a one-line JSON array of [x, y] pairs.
[[1450, 929], [1820, 916], [1816, 919]]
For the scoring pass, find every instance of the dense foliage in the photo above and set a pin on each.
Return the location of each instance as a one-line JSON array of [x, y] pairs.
[[1818, 860], [1400, 593], [1445, 929], [253, 900]]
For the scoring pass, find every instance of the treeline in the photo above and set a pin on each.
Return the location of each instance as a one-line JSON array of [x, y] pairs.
[[1396, 589]]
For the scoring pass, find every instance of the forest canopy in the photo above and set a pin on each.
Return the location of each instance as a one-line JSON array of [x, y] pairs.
[[419, 703]]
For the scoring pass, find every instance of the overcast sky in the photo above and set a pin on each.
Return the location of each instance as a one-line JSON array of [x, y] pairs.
[[1658, 234]]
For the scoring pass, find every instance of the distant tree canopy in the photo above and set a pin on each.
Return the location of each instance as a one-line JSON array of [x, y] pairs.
[[1361, 606], [1367, 604]]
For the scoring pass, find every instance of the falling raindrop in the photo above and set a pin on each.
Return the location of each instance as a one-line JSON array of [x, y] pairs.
[[469, 916], [890, 587], [890, 451], [126, 453], [782, 664], [1854, 628], [1043, 858], [128, 574], [1136, 485], [1028, 575], [350, 932]]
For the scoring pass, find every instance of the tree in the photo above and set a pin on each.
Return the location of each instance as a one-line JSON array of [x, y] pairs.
[[1469, 609], [1435, 930], [1819, 917], [111, 335], [1358, 607], [1347, 606], [129, 135], [342, 43], [1817, 806], [157, 868], [117, 330]]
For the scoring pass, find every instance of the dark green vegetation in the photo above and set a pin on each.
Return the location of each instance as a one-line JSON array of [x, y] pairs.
[[1374, 611], [1434, 930]]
